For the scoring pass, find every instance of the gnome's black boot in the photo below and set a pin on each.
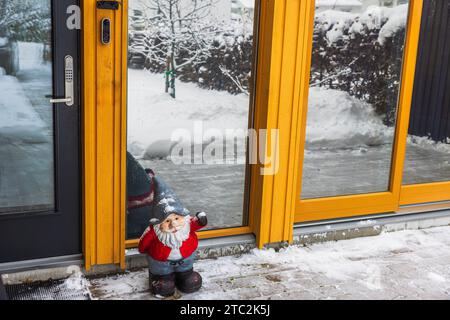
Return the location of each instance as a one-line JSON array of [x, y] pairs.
[[162, 285], [188, 281]]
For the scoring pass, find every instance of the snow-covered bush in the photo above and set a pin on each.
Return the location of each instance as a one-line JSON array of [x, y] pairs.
[[361, 54], [28, 21], [228, 66]]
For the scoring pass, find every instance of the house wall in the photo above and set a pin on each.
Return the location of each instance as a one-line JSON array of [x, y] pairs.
[[430, 110]]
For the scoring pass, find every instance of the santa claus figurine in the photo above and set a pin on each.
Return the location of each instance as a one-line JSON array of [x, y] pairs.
[[170, 244]]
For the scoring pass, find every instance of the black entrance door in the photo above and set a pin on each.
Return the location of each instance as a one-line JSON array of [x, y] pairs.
[[39, 136]]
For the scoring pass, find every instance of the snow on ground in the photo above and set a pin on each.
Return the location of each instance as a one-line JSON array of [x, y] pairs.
[[429, 144], [400, 265], [18, 118], [335, 118], [154, 116], [31, 56]]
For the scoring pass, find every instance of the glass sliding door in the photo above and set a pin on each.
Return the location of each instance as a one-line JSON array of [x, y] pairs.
[[427, 161], [358, 92], [428, 148], [190, 85], [353, 98]]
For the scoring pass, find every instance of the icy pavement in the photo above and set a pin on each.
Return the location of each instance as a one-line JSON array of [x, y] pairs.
[[401, 265], [26, 142]]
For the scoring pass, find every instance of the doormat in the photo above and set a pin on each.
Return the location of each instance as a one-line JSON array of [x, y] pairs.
[[49, 290], [3, 295]]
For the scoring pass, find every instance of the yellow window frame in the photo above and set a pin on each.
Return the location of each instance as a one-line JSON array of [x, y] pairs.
[[363, 204]]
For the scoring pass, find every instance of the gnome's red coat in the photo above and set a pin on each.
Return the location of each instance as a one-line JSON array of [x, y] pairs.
[[151, 245]]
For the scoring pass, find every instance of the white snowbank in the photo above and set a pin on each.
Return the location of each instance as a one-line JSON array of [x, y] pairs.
[[31, 56], [335, 119], [153, 116], [429, 144]]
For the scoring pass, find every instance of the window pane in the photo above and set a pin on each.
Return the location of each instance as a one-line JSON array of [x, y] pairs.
[[354, 88], [189, 81], [428, 148], [26, 117]]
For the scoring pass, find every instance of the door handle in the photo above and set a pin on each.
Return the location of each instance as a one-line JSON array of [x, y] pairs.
[[60, 100], [68, 84]]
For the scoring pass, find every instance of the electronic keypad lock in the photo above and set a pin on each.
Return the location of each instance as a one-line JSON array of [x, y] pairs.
[[69, 98], [106, 31]]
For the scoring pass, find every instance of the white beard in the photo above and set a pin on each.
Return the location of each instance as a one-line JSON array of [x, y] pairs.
[[174, 240]]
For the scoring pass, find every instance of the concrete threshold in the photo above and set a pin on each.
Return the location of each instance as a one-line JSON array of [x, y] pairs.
[[308, 233]]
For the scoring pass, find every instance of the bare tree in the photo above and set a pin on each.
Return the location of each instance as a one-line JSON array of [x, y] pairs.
[[176, 33]]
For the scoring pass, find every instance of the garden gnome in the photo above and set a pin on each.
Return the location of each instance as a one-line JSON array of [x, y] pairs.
[[170, 244]]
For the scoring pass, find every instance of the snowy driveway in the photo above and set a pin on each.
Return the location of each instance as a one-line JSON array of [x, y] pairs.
[[400, 265]]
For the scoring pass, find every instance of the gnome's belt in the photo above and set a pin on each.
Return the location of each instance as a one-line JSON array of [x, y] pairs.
[[174, 263]]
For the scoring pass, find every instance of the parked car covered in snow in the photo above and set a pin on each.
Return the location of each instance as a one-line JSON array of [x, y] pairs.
[[9, 55]]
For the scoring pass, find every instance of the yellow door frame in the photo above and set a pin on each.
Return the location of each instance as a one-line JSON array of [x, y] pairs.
[[354, 205], [104, 135], [290, 56]]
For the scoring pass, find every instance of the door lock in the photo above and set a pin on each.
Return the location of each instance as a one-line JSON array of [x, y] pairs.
[[68, 83], [106, 31]]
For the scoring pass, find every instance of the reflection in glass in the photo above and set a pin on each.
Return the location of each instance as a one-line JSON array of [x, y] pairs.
[[26, 117], [354, 86], [189, 81], [428, 148]]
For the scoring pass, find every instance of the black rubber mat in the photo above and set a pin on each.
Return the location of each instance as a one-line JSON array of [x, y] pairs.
[[3, 295], [48, 290]]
